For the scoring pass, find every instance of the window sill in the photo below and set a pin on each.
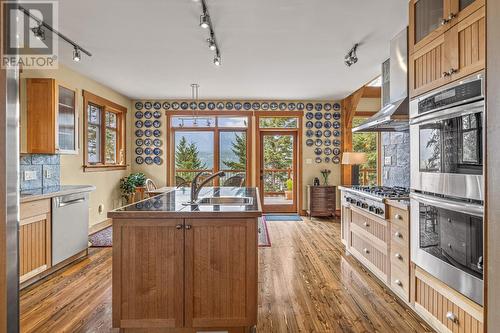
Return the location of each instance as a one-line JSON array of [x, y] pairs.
[[95, 168]]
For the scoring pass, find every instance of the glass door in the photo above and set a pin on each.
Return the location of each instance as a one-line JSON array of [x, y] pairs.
[[194, 153], [278, 174]]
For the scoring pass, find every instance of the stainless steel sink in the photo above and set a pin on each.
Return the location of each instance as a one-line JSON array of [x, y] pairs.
[[225, 201]]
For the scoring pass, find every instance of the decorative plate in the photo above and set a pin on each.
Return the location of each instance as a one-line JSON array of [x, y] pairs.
[[327, 133], [157, 105], [148, 123], [157, 160], [166, 106], [256, 106], [148, 151], [336, 133], [318, 106], [327, 107], [139, 105], [157, 151], [139, 115], [157, 114], [336, 106], [328, 151], [318, 133], [336, 143], [336, 116], [328, 116], [318, 115], [300, 106], [318, 142], [139, 151], [328, 142], [327, 124], [309, 124], [139, 124], [336, 125], [247, 105], [229, 105], [148, 142], [318, 124], [156, 133], [309, 106], [139, 142], [336, 159], [220, 105], [291, 106], [327, 159], [193, 105], [318, 159], [175, 105], [148, 132], [148, 105], [211, 105], [156, 124], [139, 133], [202, 105], [274, 106], [148, 114], [139, 160], [336, 151], [309, 115], [309, 133], [184, 105], [282, 106], [157, 142], [265, 106], [238, 106], [148, 160], [309, 142], [318, 151]]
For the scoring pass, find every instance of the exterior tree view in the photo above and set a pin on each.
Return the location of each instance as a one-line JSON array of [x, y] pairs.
[[366, 143]]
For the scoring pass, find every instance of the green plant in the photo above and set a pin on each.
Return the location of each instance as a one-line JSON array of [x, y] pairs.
[[138, 178], [289, 184], [129, 184]]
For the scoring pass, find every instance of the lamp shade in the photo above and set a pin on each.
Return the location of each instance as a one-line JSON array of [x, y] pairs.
[[353, 158]]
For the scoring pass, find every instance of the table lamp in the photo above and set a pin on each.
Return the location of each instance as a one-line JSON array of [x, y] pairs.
[[354, 159]]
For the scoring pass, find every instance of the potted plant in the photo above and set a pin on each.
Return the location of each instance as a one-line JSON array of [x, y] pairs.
[[131, 185], [289, 189]]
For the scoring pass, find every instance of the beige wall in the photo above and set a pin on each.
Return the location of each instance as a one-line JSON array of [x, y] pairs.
[[107, 193]]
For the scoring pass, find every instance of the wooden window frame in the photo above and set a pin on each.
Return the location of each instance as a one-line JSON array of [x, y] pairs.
[[121, 130]]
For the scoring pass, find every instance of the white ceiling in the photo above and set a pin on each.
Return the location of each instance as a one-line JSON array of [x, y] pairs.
[[271, 49]]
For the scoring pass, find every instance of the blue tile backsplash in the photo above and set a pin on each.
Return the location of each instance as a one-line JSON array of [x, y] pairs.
[[43, 166]]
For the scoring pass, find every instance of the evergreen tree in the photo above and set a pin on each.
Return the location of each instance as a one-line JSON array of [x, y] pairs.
[[187, 157], [239, 148]]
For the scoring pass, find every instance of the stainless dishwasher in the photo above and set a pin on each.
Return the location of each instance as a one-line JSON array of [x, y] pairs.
[[70, 225]]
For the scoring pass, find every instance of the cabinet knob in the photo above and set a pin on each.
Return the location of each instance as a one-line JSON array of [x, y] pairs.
[[445, 74], [398, 282], [452, 71], [397, 234], [178, 226], [188, 226], [398, 256], [398, 217], [452, 317], [365, 250], [448, 19], [366, 224]]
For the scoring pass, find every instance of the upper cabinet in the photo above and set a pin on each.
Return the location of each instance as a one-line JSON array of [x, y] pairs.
[[447, 42], [52, 117]]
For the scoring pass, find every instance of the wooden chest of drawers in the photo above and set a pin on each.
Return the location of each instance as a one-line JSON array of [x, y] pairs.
[[321, 200]]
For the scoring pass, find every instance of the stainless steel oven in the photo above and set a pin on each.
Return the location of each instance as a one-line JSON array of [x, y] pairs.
[[447, 242], [446, 131]]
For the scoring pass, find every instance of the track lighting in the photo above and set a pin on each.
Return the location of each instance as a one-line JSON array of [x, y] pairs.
[[77, 56], [39, 32], [204, 21], [351, 58], [211, 44], [217, 60]]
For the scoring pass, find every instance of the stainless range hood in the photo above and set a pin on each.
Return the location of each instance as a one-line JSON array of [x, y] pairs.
[[393, 116]]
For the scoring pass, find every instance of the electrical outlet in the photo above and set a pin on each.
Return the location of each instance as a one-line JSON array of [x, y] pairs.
[[48, 173], [30, 175], [388, 160]]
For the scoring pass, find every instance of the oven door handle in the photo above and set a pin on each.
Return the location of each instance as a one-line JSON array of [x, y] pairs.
[[453, 112], [462, 207]]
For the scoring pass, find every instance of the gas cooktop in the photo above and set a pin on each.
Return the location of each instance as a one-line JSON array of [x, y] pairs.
[[384, 191]]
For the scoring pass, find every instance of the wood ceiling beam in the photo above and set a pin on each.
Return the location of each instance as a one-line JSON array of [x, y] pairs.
[[372, 92]]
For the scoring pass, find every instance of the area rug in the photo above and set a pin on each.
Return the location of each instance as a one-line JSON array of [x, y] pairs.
[[264, 240], [283, 217], [103, 238]]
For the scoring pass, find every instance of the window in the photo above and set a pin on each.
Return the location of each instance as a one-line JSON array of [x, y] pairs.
[[67, 122], [366, 142], [104, 134]]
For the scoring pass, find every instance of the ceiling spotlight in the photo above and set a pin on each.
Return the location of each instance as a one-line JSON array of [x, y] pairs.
[[217, 61], [211, 44], [39, 32], [77, 55], [204, 22], [351, 58]]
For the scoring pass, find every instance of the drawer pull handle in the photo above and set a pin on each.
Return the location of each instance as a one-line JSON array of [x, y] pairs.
[[397, 234], [452, 317], [366, 224], [178, 226], [398, 282], [399, 256], [398, 217], [365, 250]]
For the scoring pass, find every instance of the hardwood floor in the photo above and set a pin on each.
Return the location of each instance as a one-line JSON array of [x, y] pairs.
[[306, 284]]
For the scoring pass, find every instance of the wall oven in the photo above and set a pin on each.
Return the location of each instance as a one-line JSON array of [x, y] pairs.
[[447, 185]]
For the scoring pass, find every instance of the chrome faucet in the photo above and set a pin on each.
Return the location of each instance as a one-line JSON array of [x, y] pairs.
[[195, 188]]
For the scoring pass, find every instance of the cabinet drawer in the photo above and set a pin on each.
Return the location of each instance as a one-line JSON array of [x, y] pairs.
[[34, 208], [398, 216], [400, 281], [375, 258], [399, 235], [400, 256], [374, 226]]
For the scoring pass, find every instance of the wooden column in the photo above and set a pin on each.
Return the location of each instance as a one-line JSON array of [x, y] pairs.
[[349, 106]]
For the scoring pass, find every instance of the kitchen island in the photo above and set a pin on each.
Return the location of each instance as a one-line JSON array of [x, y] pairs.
[[179, 267]]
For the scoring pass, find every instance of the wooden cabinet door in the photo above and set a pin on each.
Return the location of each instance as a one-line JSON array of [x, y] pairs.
[[35, 236], [221, 273], [460, 9], [41, 116], [427, 66], [345, 221], [148, 284], [426, 21]]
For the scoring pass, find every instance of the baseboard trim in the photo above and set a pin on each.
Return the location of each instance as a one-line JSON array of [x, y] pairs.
[[100, 226]]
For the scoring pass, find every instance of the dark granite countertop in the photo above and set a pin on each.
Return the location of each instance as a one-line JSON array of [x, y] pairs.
[[53, 191], [172, 204]]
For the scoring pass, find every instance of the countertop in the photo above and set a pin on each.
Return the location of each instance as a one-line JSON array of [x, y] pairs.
[[54, 191], [172, 204]]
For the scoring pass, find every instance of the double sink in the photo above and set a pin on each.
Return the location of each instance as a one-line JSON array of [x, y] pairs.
[[224, 201]]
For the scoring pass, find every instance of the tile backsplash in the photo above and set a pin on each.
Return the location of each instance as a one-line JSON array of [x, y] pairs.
[[37, 171], [396, 159]]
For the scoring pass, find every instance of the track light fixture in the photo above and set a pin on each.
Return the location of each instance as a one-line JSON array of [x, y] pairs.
[[351, 58], [211, 44], [217, 60], [206, 22], [39, 32], [77, 55]]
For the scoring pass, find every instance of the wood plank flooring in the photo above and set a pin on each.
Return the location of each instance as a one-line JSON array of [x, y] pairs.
[[306, 284]]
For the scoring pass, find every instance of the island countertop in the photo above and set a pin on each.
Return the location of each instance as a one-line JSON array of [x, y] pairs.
[[172, 204]]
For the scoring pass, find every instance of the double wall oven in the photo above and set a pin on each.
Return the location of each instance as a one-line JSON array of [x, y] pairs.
[[447, 147]]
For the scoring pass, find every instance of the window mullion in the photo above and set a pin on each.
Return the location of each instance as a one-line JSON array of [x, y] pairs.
[[103, 135]]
